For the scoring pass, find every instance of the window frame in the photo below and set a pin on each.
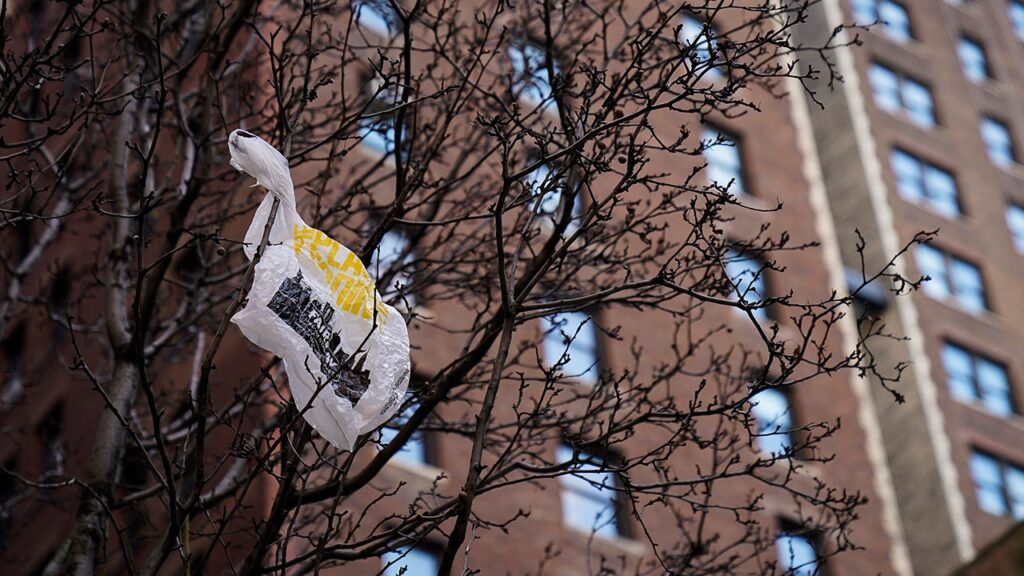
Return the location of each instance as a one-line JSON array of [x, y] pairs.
[[795, 530], [376, 102], [875, 13], [734, 253], [927, 197], [905, 85], [1014, 215], [377, 22], [1005, 470], [968, 42], [1015, 14], [998, 161], [740, 183], [616, 503], [949, 261], [979, 393], [524, 81], [704, 41], [393, 566], [592, 376], [785, 433]]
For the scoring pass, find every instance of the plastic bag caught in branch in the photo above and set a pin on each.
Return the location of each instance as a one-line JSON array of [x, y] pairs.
[[314, 304]]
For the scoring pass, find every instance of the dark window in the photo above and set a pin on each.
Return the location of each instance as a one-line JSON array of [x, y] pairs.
[[51, 432]]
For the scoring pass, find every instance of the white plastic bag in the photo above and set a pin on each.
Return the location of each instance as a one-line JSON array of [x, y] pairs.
[[313, 304]]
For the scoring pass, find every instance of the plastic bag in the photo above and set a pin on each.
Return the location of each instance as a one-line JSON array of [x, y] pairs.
[[314, 304]]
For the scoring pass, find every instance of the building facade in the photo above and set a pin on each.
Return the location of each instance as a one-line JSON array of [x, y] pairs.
[[923, 134]]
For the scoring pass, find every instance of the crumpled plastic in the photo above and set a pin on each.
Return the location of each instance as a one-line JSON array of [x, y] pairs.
[[314, 304]]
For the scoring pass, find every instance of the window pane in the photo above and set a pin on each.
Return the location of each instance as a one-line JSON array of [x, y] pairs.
[[959, 372], [415, 561], [1015, 490], [723, 158], [531, 81], [771, 409], [967, 285], [997, 140], [896, 21], [885, 86], [995, 387], [748, 279], [1015, 222], [588, 499], [940, 189], [988, 482], [570, 341], [693, 32], [377, 16], [388, 257], [932, 262], [909, 177], [972, 58], [917, 99], [865, 11], [1016, 11], [797, 555], [415, 448]]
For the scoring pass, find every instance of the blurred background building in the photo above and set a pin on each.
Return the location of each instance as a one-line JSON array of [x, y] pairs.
[[923, 133]]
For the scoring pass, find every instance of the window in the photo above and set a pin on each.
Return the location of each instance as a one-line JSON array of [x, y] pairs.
[[547, 187], [746, 274], [570, 344], [974, 378], [702, 42], [589, 501], [1015, 222], [415, 448], [393, 256], [414, 561], [951, 277], [924, 183], [1016, 12], [51, 432], [8, 492], [999, 486], [972, 59], [13, 348], [377, 127], [892, 15], [530, 80], [797, 552], [770, 408], [377, 16], [997, 140], [722, 152], [897, 94]]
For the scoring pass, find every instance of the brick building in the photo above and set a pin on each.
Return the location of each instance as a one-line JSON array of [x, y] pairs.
[[922, 135]]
